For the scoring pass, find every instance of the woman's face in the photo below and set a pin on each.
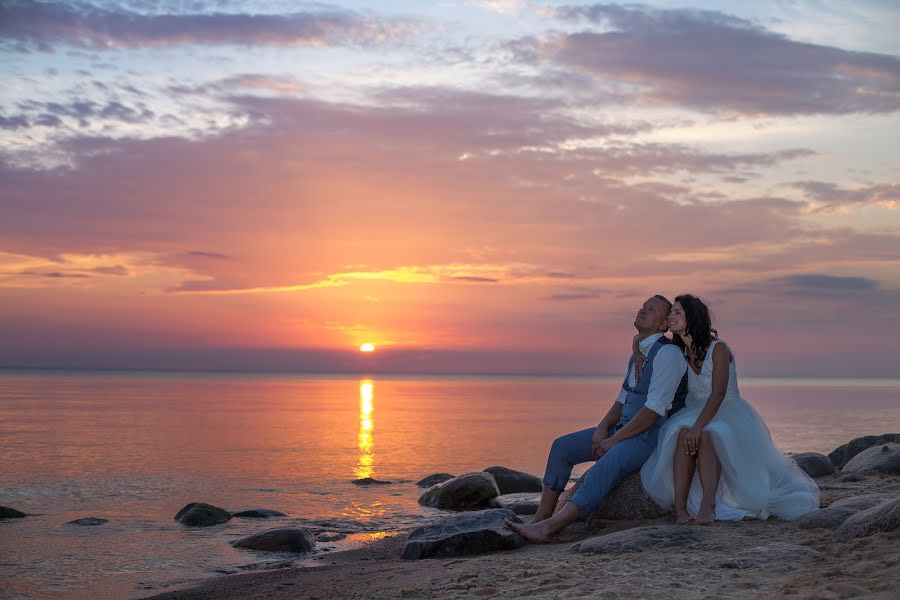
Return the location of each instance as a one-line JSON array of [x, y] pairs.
[[677, 322]]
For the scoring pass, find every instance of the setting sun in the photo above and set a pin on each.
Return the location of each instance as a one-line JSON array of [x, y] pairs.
[[367, 348]]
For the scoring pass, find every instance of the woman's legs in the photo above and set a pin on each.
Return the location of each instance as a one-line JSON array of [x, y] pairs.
[[683, 470], [710, 471]]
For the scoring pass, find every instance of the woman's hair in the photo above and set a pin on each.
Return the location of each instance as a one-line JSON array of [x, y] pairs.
[[698, 326]]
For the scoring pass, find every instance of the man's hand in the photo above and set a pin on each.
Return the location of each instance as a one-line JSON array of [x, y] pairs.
[[603, 447], [639, 358], [599, 436]]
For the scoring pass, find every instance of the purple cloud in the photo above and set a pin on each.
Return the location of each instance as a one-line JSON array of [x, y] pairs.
[[830, 196]]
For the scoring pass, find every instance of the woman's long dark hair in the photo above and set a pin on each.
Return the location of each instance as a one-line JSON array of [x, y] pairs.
[[698, 326]]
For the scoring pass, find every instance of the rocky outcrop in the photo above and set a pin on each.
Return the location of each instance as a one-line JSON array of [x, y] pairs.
[[628, 501], [841, 456], [434, 479], [772, 555], [282, 539], [883, 458], [88, 522], [370, 481], [200, 514], [839, 511], [880, 518], [464, 534], [10, 513], [813, 463], [258, 513], [514, 482], [466, 492], [639, 539], [521, 504]]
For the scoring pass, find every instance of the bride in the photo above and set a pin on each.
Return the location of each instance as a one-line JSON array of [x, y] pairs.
[[715, 458]]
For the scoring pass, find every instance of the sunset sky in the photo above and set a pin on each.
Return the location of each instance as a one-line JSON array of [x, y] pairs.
[[490, 186]]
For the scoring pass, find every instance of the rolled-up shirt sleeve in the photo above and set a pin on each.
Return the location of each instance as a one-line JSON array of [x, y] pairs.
[[669, 367], [622, 396]]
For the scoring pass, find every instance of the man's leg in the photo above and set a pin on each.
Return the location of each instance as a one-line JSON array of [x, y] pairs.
[[565, 452]]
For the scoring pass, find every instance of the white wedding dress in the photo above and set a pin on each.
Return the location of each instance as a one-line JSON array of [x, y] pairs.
[[757, 479]]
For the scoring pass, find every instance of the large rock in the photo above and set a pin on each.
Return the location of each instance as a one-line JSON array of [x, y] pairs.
[[258, 513], [434, 479], [882, 459], [628, 501], [639, 539], [521, 504], [464, 534], [282, 539], [879, 518], [200, 514], [88, 522], [466, 492], [10, 513], [772, 555], [841, 456], [514, 482], [813, 463], [839, 511]]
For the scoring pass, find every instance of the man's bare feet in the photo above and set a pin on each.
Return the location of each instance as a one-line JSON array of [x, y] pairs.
[[682, 517], [533, 533], [706, 515]]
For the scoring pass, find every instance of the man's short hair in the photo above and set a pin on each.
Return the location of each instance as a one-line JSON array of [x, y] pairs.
[[664, 301]]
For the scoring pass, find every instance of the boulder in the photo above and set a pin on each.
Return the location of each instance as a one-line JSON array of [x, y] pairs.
[[627, 501], [521, 504], [879, 518], [370, 481], [434, 479], [882, 459], [258, 513], [200, 514], [10, 513], [639, 539], [841, 456], [88, 522], [839, 511], [330, 536], [772, 555], [813, 463], [464, 534], [466, 492], [851, 478], [282, 539], [514, 482]]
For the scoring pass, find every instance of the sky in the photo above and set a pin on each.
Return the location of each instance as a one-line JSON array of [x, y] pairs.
[[471, 186]]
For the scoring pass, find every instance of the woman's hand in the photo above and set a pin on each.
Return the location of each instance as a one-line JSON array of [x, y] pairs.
[[639, 358], [692, 440]]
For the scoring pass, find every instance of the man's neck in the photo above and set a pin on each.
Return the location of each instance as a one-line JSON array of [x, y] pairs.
[[643, 335]]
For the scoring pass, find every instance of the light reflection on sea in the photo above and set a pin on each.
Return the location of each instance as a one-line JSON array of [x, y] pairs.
[[135, 447]]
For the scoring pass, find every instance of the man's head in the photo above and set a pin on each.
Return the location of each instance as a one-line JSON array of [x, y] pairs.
[[653, 315]]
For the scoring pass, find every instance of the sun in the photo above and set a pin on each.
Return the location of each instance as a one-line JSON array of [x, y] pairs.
[[367, 347]]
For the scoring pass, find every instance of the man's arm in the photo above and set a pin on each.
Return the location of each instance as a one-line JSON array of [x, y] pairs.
[[612, 417]]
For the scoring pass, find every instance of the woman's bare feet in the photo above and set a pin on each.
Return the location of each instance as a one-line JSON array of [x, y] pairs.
[[533, 533], [682, 517], [706, 515]]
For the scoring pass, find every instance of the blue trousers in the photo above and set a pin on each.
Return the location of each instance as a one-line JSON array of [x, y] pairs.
[[624, 458]]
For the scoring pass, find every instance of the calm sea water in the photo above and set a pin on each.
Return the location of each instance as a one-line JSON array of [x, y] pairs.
[[133, 448]]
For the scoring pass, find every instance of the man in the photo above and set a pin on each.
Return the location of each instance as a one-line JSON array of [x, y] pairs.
[[626, 436]]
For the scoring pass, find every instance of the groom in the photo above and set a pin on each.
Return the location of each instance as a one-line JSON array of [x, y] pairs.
[[626, 436]]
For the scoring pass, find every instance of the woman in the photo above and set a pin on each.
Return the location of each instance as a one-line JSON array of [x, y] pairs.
[[715, 458]]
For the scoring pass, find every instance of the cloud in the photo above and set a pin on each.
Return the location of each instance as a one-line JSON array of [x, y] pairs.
[[714, 62], [827, 197], [577, 294], [25, 25], [472, 279]]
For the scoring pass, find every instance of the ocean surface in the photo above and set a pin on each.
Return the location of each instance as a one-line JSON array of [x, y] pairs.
[[134, 448]]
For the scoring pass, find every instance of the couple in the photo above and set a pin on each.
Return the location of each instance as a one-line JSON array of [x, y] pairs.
[[712, 459]]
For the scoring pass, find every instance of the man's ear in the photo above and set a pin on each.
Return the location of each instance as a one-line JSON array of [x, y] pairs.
[[664, 326]]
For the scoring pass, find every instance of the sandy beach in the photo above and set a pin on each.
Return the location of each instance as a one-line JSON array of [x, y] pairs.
[[747, 559]]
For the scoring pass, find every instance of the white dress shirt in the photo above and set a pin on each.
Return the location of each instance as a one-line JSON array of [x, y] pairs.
[[669, 367]]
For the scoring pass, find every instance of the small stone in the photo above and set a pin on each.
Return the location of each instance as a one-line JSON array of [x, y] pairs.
[[639, 539], [521, 504], [464, 534], [510, 481], [434, 479], [330, 536], [10, 513], [88, 522], [200, 514], [813, 464], [369, 481], [258, 513], [282, 539]]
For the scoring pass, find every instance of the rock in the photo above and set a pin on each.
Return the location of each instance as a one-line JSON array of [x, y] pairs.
[[282, 539], [837, 512], [434, 479], [370, 481], [842, 455], [774, 554], [514, 482], [199, 514], [879, 518], [258, 513], [813, 463], [330, 536], [882, 459], [639, 539], [864, 502], [466, 492], [10, 513], [521, 504], [464, 534], [628, 501], [852, 477], [88, 522]]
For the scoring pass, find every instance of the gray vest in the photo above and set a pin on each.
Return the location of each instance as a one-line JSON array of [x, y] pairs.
[[637, 394]]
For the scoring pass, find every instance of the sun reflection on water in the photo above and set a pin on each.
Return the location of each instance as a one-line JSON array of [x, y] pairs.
[[366, 465]]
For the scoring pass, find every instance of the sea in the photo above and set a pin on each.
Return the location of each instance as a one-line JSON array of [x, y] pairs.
[[135, 447]]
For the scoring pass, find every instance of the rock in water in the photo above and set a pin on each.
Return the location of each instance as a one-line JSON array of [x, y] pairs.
[[842, 455], [10, 513], [330, 536], [514, 482], [628, 501], [466, 492], [200, 514], [879, 518], [434, 479], [463, 534], [882, 459], [639, 539], [370, 481], [88, 522], [775, 554], [813, 463], [258, 513], [282, 539], [521, 504]]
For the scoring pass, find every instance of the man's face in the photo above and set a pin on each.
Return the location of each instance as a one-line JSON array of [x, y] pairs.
[[651, 318]]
